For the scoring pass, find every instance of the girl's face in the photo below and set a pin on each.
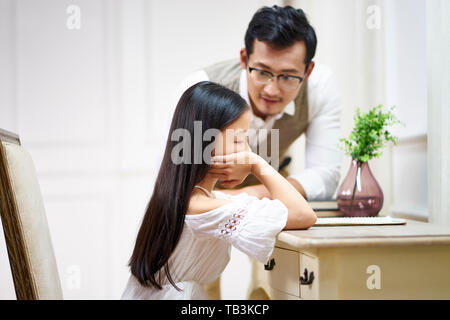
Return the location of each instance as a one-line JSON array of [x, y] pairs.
[[234, 137]]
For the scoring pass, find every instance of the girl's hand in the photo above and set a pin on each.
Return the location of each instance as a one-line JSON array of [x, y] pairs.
[[233, 168]]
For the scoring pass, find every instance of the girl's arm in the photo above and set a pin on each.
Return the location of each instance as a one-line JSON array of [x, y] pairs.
[[300, 214]]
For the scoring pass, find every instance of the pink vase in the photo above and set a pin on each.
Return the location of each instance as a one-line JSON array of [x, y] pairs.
[[360, 194]]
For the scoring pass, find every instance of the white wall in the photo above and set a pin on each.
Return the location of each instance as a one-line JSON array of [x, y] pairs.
[[66, 109], [406, 87], [438, 77]]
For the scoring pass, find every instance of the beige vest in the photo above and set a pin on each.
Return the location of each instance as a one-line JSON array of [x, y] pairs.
[[290, 127]]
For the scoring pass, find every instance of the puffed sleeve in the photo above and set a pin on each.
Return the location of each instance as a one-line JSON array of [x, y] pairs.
[[248, 223]]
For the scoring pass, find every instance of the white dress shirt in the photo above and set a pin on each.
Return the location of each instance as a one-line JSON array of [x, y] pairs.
[[323, 158]]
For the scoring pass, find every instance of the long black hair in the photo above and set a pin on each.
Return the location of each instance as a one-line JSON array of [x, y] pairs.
[[216, 107]]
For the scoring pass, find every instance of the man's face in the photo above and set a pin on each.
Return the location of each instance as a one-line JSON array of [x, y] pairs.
[[271, 98]]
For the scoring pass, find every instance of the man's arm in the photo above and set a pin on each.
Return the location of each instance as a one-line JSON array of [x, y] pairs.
[[323, 157]]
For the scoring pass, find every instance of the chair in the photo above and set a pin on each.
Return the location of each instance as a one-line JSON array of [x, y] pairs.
[[30, 250]]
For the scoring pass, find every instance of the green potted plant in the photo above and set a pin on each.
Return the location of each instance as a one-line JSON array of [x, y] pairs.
[[360, 194]]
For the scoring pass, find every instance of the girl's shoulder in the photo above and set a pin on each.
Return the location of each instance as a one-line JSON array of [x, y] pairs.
[[203, 204]]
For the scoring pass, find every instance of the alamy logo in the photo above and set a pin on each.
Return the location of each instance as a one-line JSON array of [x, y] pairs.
[[374, 19], [188, 150], [374, 280], [74, 19], [73, 280]]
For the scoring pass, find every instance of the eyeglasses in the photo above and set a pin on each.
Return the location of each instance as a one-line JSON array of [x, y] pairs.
[[285, 81]]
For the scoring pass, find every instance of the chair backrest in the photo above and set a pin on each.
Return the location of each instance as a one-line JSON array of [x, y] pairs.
[[30, 250]]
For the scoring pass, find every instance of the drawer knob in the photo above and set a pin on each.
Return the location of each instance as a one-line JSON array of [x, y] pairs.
[[307, 279], [269, 266]]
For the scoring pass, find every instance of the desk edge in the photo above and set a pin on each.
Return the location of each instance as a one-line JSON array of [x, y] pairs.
[[285, 239]]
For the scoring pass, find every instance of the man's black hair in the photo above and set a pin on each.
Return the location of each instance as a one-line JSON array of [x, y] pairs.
[[281, 27]]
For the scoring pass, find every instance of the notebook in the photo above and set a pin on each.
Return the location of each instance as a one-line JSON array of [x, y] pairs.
[[324, 205], [357, 221]]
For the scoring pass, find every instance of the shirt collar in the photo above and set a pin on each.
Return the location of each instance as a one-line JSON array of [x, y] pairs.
[[289, 109]]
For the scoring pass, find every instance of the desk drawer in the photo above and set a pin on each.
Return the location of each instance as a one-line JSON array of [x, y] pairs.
[[284, 276]]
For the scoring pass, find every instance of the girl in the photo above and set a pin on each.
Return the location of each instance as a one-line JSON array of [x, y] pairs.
[[188, 229]]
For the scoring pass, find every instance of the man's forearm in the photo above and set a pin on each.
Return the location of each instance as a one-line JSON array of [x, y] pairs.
[[297, 186]]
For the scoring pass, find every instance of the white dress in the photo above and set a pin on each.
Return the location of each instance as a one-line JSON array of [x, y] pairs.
[[248, 223]]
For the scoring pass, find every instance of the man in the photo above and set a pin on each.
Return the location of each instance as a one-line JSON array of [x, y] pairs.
[[287, 91]]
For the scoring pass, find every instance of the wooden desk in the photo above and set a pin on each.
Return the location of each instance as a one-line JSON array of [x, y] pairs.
[[409, 261]]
